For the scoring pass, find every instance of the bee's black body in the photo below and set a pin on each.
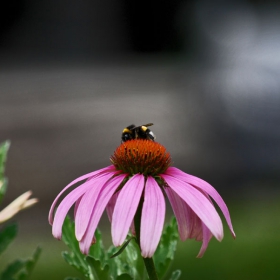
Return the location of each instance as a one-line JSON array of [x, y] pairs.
[[138, 132]]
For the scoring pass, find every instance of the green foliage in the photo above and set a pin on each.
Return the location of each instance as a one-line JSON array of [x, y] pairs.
[[4, 147], [21, 269], [96, 264], [7, 235], [129, 262], [164, 254], [123, 264]]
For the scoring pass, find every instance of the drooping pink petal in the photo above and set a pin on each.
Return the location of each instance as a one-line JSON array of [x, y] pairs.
[[111, 206], [126, 207], [152, 218], [65, 205], [207, 235], [197, 232], [77, 203], [181, 213], [198, 203], [87, 204], [105, 195], [189, 225], [204, 186], [91, 174]]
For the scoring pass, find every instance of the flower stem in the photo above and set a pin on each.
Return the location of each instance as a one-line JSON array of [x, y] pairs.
[[149, 262]]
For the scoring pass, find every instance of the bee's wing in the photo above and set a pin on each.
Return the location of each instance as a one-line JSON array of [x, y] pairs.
[[148, 124]]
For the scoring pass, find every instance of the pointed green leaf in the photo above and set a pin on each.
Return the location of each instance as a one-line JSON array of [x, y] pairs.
[[4, 147], [129, 262], [122, 248], [74, 258], [29, 265], [12, 270], [97, 250], [3, 188], [99, 271], [21, 269], [166, 248], [7, 235], [74, 261], [98, 265]]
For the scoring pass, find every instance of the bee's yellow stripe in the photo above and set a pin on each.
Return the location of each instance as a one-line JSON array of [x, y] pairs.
[[126, 130]]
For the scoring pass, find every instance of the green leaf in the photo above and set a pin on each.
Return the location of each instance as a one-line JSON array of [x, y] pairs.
[[12, 270], [4, 147], [124, 277], [98, 265], [175, 275], [21, 269], [129, 263], [74, 258], [166, 248], [3, 188], [30, 264], [92, 266], [97, 250], [99, 271], [7, 235], [122, 248]]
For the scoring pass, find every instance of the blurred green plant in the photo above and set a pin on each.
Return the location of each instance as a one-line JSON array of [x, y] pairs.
[[19, 269], [119, 264]]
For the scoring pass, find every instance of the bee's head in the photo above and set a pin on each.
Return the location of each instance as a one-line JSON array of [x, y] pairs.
[[127, 133]]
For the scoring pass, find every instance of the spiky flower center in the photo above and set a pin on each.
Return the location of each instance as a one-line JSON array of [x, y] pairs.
[[141, 156]]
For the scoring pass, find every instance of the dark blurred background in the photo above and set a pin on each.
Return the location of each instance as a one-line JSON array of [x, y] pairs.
[[73, 74]]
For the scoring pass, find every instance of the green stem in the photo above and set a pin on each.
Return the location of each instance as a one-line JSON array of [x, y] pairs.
[[149, 262]]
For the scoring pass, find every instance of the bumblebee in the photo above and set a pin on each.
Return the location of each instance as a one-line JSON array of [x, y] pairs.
[[138, 132]]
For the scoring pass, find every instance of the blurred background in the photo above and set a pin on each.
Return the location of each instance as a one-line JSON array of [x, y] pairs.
[[73, 74]]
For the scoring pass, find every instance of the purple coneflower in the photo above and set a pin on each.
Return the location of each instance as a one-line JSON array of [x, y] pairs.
[[141, 174]]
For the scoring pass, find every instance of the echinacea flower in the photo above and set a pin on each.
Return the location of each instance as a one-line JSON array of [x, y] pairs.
[[141, 170]]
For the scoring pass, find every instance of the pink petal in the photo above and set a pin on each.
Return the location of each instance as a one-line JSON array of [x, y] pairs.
[[197, 232], [181, 212], [64, 207], [187, 220], [198, 203], [206, 238], [105, 195], [204, 186], [126, 207], [87, 204], [95, 173], [189, 225], [77, 205], [152, 218], [79, 200], [111, 206]]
